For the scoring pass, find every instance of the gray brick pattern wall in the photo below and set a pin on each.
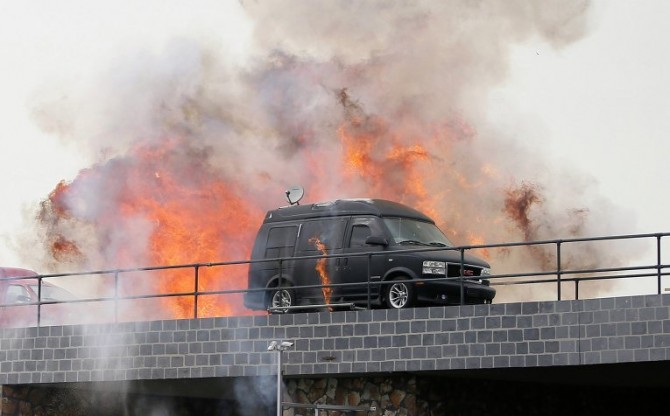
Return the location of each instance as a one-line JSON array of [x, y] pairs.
[[530, 334]]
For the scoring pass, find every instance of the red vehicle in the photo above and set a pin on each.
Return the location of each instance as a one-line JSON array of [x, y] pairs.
[[19, 298]]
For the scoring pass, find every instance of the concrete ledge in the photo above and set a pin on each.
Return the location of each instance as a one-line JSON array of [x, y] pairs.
[[530, 334]]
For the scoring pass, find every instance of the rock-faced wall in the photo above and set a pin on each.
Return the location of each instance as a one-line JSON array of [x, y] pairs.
[[392, 395]]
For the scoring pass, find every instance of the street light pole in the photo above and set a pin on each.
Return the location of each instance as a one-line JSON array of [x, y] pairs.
[[279, 346], [279, 384]]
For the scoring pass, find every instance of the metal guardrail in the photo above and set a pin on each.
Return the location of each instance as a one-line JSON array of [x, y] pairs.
[[559, 275], [328, 407]]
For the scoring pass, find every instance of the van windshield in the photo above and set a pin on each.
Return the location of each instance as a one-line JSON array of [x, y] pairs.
[[410, 231]]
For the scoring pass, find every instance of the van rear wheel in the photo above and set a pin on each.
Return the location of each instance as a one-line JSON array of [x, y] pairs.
[[399, 295], [281, 298]]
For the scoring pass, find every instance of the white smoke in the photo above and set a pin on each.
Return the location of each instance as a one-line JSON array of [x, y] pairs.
[[408, 73]]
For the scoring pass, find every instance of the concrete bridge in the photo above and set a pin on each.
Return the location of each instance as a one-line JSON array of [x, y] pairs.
[[610, 342]]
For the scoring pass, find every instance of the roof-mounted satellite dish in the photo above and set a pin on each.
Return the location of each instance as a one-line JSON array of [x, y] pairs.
[[294, 194]]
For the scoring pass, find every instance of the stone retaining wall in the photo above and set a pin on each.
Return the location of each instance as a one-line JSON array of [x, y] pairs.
[[393, 395]]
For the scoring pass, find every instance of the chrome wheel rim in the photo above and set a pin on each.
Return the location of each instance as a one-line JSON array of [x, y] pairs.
[[398, 295], [281, 298]]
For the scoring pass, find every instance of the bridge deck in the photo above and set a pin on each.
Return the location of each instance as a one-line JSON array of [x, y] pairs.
[[559, 334]]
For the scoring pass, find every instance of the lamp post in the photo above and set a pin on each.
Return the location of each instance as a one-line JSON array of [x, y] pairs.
[[279, 346]]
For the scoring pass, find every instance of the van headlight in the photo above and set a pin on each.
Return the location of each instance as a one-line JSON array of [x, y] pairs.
[[485, 272], [434, 267]]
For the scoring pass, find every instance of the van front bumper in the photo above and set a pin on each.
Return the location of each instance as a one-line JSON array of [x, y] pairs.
[[448, 292]]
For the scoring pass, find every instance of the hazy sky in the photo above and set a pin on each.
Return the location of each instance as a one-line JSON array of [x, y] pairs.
[[599, 106]]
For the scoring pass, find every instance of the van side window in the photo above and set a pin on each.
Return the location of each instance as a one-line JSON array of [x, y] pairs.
[[329, 232], [281, 242], [359, 233]]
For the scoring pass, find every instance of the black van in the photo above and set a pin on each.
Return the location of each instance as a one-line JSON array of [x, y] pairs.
[[402, 267]]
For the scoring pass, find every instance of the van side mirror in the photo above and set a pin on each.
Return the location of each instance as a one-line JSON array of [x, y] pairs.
[[376, 240]]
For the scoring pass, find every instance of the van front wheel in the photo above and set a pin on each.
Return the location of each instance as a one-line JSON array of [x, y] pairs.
[[281, 298], [399, 295]]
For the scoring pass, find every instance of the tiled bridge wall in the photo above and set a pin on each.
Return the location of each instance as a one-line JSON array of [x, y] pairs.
[[532, 334]]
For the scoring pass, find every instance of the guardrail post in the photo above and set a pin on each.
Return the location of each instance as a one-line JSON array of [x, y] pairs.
[[281, 262], [195, 293], [369, 280], [461, 277], [558, 268], [658, 261], [39, 300], [116, 296]]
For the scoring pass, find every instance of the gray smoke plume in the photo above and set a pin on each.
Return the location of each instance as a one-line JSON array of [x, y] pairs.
[[349, 99]]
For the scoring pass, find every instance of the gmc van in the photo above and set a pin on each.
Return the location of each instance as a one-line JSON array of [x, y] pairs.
[[408, 256]]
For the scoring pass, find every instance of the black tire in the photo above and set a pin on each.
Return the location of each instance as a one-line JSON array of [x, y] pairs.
[[399, 295], [279, 298]]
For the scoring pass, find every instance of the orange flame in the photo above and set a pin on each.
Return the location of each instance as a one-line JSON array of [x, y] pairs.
[[187, 212], [392, 163], [321, 269], [163, 203]]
